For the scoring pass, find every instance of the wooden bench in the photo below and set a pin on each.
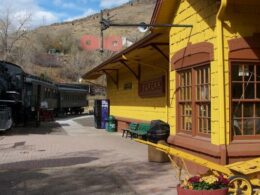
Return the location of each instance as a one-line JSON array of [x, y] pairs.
[[141, 131], [131, 127]]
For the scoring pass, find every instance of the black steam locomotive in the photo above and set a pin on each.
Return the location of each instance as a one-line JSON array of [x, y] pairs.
[[24, 97]]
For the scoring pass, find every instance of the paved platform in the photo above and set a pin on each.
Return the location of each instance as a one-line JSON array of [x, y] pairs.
[[70, 156]]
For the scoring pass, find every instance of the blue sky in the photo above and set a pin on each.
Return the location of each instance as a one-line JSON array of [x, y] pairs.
[[50, 11]]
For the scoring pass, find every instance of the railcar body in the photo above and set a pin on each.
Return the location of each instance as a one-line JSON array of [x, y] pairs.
[[24, 97], [72, 98], [11, 94], [41, 97]]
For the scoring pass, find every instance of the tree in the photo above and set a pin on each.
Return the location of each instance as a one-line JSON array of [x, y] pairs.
[[60, 40], [13, 29]]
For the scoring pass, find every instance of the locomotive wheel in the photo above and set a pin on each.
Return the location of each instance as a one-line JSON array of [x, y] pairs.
[[239, 185]]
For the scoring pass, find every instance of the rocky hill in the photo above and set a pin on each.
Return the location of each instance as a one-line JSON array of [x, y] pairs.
[[62, 40], [134, 12]]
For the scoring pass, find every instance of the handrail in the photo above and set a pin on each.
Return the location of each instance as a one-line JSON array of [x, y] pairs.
[[189, 157]]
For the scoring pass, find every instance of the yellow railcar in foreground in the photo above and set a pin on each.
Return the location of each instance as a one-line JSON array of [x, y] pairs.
[[242, 175]]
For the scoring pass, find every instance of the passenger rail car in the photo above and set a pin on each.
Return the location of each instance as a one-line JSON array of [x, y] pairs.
[[24, 97], [41, 98]]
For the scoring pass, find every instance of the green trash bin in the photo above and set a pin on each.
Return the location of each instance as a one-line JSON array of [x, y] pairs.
[[111, 124]]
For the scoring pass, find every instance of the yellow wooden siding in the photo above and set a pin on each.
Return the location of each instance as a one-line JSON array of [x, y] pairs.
[[127, 103], [240, 21], [202, 15]]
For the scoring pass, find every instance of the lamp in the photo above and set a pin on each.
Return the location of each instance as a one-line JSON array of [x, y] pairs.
[[142, 27]]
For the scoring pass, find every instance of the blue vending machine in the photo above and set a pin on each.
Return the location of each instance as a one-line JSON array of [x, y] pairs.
[[101, 113]]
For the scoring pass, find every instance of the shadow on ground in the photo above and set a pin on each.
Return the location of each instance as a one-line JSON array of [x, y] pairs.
[[117, 178], [89, 180], [51, 127], [45, 128], [47, 163]]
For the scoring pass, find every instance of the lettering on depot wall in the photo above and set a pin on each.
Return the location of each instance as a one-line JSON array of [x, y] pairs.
[[111, 43], [152, 88]]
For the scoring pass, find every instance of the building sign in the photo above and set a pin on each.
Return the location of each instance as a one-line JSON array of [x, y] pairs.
[[128, 86], [152, 88]]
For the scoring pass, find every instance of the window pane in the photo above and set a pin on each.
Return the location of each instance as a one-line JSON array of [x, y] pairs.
[[186, 120], [249, 73], [204, 118], [237, 90], [235, 73], [249, 91], [207, 76], [257, 126], [202, 110], [243, 71], [248, 109], [198, 92], [258, 90], [200, 125], [188, 78], [237, 127], [205, 125], [181, 93], [181, 79], [198, 77], [257, 109], [206, 89], [203, 83], [258, 72], [189, 93], [188, 123], [188, 111], [248, 127], [202, 76], [237, 110]]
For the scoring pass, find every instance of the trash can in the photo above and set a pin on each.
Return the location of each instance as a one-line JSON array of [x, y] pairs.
[[155, 155], [111, 124]]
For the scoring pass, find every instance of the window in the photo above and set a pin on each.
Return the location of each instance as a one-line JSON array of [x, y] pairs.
[[115, 43], [194, 101], [245, 102]]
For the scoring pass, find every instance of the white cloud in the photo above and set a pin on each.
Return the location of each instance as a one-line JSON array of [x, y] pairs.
[[22, 8], [111, 3], [85, 14], [41, 17]]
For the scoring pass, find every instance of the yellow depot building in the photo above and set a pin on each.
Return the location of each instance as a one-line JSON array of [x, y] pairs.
[[204, 80]]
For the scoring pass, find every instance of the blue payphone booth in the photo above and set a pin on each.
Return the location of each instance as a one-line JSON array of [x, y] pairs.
[[101, 113]]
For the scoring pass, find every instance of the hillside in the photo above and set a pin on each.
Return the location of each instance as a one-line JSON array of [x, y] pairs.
[[71, 60]]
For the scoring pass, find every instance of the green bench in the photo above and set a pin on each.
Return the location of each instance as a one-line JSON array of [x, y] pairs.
[[141, 131], [131, 127]]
